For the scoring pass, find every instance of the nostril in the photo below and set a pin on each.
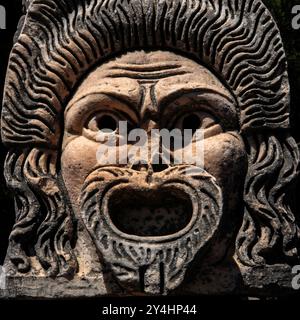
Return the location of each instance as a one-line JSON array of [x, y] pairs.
[[140, 167], [159, 167]]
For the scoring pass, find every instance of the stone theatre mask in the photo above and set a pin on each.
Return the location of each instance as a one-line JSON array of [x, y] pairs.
[[81, 67]]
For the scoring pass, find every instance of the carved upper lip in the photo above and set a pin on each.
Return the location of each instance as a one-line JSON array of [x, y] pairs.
[[150, 213]]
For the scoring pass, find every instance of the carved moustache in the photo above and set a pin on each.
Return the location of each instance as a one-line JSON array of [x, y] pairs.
[[149, 227]]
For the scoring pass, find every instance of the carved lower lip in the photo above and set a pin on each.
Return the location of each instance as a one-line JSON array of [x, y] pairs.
[[151, 215]]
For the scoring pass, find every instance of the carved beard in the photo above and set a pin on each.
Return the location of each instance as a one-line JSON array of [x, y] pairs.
[[149, 227]]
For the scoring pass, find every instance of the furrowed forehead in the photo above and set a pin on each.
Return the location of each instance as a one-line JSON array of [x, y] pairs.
[[126, 74]]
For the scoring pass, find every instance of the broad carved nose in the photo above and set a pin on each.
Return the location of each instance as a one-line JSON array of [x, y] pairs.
[[149, 167]]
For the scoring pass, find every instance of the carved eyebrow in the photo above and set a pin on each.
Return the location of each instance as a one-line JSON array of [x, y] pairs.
[[111, 95], [125, 100], [185, 91]]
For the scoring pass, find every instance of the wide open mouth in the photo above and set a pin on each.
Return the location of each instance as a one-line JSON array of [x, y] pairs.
[[150, 212]]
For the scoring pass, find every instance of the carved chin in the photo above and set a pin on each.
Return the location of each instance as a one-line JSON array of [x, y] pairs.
[[148, 229]]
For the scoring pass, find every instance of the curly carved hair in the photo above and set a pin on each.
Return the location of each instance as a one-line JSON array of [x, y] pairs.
[[269, 233]]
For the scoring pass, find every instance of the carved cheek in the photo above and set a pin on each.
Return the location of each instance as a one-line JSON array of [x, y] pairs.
[[226, 159], [78, 158]]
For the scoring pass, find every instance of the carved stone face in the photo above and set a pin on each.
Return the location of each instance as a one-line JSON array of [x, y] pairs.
[[149, 221], [224, 224]]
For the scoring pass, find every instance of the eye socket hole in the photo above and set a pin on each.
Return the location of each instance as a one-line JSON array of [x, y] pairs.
[[107, 122], [192, 122], [103, 122]]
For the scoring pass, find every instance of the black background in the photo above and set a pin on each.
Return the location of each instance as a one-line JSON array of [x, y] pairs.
[[282, 13]]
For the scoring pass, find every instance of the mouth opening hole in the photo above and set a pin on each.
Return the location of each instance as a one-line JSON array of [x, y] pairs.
[[150, 213]]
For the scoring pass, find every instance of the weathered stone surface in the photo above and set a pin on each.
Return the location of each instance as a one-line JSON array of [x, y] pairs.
[[134, 226]]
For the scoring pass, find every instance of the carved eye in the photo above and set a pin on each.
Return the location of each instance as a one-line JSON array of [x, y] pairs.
[[103, 122], [191, 121], [199, 120], [196, 120]]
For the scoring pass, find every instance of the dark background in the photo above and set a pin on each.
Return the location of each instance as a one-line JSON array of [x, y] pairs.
[[281, 10]]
